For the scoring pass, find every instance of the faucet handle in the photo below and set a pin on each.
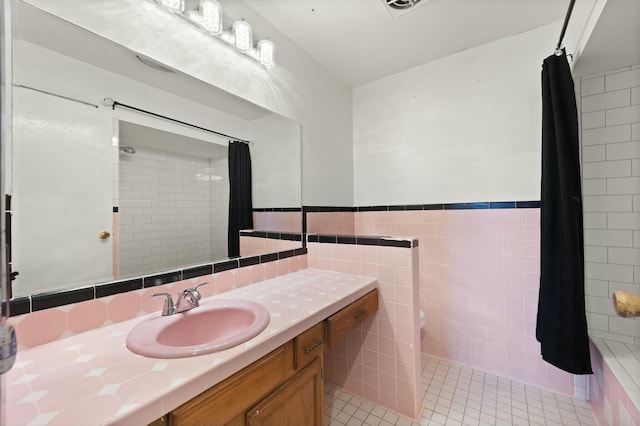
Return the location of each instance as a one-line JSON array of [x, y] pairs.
[[197, 293], [169, 307]]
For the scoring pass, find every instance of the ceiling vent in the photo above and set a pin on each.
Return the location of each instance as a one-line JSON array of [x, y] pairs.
[[400, 7]]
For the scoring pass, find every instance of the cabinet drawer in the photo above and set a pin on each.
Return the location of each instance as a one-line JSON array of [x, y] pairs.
[[345, 320], [308, 345]]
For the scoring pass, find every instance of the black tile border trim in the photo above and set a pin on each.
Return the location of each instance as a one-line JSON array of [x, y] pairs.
[[363, 240], [327, 209], [278, 209], [51, 300], [118, 287], [438, 206], [272, 235], [37, 302], [19, 306]]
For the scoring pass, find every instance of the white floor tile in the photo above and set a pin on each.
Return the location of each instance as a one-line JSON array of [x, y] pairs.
[[458, 395]]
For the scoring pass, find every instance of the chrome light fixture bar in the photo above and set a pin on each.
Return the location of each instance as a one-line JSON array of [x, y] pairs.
[[209, 18]]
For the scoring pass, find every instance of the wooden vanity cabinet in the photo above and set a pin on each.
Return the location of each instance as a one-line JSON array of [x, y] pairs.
[[283, 388]]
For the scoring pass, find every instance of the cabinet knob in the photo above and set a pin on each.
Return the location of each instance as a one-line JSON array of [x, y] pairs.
[[103, 235]]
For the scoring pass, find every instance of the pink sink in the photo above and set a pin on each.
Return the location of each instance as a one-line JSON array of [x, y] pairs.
[[211, 327]]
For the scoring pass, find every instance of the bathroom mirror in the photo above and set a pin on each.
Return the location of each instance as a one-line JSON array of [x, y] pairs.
[[84, 198]]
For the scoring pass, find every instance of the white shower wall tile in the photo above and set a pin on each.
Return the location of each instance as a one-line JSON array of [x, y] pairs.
[[607, 135], [593, 153], [592, 86], [594, 186], [605, 101], [622, 80], [164, 204]]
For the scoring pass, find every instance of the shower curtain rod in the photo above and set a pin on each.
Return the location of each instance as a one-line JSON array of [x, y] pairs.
[[113, 104], [564, 27], [55, 94]]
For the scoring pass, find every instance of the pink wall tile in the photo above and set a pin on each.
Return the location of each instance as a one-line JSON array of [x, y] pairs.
[[31, 332], [330, 223], [123, 306], [289, 222], [87, 316], [255, 246], [479, 273], [241, 277], [387, 340]]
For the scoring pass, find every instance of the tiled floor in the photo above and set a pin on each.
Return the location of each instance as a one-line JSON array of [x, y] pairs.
[[459, 395]]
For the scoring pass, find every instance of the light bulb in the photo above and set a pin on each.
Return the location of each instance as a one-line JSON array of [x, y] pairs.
[[266, 53], [243, 36], [175, 6], [211, 16]]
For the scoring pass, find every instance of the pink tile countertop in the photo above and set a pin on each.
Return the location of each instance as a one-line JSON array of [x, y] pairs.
[[92, 378]]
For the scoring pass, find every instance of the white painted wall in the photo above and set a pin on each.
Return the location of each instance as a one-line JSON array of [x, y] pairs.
[[461, 129], [271, 165], [298, 87]]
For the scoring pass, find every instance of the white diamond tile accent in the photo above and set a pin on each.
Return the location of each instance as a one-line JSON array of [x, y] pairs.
[[32, 397], [74, 347], [96, 372], [22, 364], [84, 358], [109, 389], [27, 378], [160, 366]]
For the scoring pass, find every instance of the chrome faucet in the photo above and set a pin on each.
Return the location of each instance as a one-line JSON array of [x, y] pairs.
[[191, 295]]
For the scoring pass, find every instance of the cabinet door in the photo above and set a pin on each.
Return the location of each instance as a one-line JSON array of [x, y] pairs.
[[297, 402]]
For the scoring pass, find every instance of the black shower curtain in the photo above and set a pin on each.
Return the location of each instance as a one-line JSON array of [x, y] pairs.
[[561, 325], [240, 205]]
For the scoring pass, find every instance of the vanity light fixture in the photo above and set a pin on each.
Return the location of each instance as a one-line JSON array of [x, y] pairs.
[[243, 35], [266, 51], [209, 18]]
